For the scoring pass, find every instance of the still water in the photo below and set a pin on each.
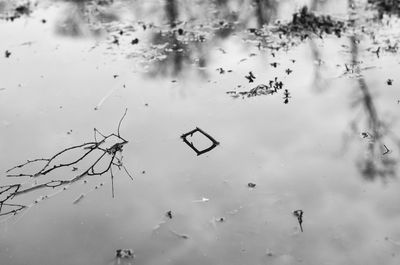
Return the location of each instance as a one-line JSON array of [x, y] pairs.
[[331, 151]]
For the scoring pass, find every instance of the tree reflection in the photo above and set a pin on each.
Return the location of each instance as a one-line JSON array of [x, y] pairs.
[[82, 16], [377, 161], [265, 11], [178, 49]]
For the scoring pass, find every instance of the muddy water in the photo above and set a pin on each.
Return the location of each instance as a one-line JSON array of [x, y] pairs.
[[61, 81]]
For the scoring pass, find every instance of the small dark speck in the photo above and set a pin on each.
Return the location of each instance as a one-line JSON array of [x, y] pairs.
[[251, 185], [274, 64], [173, 81], [116, 40], [221, 70], [180, 31], [75, 169], [7, 53], [146, 104], [169, 214], [115, 76], [389, 82], [121, 32], [143, 172], [44, 21], [135, 41]]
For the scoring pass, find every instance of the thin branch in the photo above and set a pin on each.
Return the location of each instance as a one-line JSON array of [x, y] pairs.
[[112, 182], [8, 192], [120, 121]]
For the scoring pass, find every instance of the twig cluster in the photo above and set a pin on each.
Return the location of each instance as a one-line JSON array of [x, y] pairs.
[[108, 154], [273, 87]]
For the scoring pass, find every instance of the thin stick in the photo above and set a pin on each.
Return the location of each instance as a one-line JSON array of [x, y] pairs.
[[120, 121], [112, 183]]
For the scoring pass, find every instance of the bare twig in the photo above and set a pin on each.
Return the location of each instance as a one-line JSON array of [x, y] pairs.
[[107, 153], [120, 121]]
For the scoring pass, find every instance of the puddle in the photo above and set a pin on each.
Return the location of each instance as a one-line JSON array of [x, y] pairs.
[[300, 113]]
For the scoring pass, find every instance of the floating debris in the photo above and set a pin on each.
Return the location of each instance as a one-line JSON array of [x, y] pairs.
[[222, 50], [250, 77], [286, 96], [77, 200], [135, 41], [364, 135], [387, 150], [271, 88], [191, 145], [169, 214], [389, 82], [274, 64], [124, 255], [377, 51], [182, 236], [115, 41], [304, 23], [221, 70], [7, 53], [251, 185], [299, 215], [288, 71]]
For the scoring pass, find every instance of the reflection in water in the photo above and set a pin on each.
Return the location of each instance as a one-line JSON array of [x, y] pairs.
[[177, 49], [220, 215], [377, 161], [265, 11], [172, 12], [85, 18]]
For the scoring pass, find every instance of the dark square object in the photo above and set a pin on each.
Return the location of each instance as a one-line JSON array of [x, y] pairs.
[[199, 152]]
